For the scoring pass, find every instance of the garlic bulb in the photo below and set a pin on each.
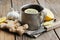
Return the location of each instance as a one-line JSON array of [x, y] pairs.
[[13, 15]]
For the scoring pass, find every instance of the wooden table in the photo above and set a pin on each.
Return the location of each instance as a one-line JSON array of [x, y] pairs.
[[53, 5]]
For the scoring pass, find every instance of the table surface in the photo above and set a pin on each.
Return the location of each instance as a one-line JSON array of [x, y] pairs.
[[53, 5]]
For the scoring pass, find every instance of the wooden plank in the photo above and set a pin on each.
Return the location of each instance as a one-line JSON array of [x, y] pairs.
[[54, 26], [5, 6], [45, 3], [18, 37], [42, 3], [55, 5], [17, 5], [58, 32], [49, 35], [2, 35], [8, 36], [46, 36]]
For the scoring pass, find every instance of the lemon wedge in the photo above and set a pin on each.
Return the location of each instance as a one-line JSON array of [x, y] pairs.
[[48, 23], [49, 15], [3, 19]]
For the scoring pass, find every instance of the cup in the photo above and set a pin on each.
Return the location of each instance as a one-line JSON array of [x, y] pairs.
[[33, 19]]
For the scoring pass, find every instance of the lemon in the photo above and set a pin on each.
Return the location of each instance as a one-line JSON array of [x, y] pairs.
[[48, 23], [31, 11], [49, 15], [3, 19]]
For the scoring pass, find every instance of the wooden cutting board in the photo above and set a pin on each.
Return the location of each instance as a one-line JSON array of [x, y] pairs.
[[54, 26]]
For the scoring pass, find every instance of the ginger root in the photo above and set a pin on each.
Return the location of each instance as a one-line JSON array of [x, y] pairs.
[[14, 26], [25, 26], [3, 25], [20, 30]]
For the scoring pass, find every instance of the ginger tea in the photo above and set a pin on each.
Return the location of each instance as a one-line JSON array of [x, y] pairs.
[[31, 11]]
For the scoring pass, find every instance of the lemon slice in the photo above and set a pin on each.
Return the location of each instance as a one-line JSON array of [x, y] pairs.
[[31, 11], [2, 19], [49, 14]]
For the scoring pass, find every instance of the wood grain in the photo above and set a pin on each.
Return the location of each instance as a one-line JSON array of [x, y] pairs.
[[5, 6], [47, 5], [52, 5], [55, 5], [2, 35], [17, 5], [46, 36]]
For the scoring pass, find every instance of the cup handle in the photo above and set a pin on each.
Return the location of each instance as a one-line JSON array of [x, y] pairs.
[[41, 17]]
